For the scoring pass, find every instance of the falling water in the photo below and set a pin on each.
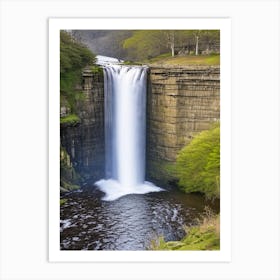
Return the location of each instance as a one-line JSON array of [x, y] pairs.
[[125, 132]]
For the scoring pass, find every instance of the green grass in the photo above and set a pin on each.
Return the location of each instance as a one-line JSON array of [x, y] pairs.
[[62, 201], [160, 57], [186, 60], [68, 186], [129, 62], [205, 236], [70, 119], [95, 69], [167, 60]]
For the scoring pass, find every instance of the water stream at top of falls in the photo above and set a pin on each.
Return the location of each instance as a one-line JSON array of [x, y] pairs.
[[125, 132]]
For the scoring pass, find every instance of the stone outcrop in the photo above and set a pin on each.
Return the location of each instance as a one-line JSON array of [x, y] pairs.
[[84, 142], [182, 101], [68, 175]]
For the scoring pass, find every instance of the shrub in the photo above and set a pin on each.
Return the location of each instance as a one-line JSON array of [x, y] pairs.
[[74, 56], [198, 164]]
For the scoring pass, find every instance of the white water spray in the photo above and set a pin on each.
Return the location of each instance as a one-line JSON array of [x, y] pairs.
[[125, 132]]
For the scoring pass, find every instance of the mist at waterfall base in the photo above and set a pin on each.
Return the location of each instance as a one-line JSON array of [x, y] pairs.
[[125, 132]]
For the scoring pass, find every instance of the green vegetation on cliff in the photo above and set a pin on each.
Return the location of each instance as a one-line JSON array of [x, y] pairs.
[[70, 120], [68, 175], [205, 236], [198, 164], [74, 56]]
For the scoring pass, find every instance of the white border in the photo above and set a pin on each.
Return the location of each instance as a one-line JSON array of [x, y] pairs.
[[55, 255]]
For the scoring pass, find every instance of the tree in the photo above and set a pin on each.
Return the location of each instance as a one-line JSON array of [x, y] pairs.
[[205, 40], [196, 34], [210, 41], [169, 40], [198, 164], [145, 44], [74, 56]]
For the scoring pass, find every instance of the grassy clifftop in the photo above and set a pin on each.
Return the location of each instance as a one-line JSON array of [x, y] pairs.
[[166, 59]]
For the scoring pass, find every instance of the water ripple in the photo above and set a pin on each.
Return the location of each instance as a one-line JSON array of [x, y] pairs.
[[128, 223]]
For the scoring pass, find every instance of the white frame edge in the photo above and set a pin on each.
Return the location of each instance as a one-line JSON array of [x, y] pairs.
[[57, 255]]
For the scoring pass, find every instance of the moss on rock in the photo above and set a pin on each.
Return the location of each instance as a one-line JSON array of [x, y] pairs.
[[68, 176], [205, 236], [70, 120], [162, 172], [62, 201]]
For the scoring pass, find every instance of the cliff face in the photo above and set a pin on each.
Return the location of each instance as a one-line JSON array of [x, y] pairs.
[[182, 101], [84, 142]]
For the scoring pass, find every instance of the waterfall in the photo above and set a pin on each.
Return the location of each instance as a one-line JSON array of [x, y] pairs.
[[125, 132]]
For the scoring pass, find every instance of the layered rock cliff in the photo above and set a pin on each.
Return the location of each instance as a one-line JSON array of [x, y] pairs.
[[182, 101], [84, 141]]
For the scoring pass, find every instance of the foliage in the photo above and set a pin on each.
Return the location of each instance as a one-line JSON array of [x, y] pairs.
[[74, 56], [66, 186], [129, 62], [62, 201], [68, 175], [70, 119], [205, 236], [139, 45], [198, 164], [147, 44], [163, 172], [95, 69], [144, 44]]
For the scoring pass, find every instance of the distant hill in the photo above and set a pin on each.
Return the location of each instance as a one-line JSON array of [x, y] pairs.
[[104, 42]]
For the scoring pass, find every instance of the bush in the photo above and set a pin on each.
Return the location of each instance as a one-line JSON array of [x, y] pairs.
[[198, 164], [73, 55]]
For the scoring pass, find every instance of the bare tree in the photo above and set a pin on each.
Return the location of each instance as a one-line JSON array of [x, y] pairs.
[[196, 34], [170, 40]]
